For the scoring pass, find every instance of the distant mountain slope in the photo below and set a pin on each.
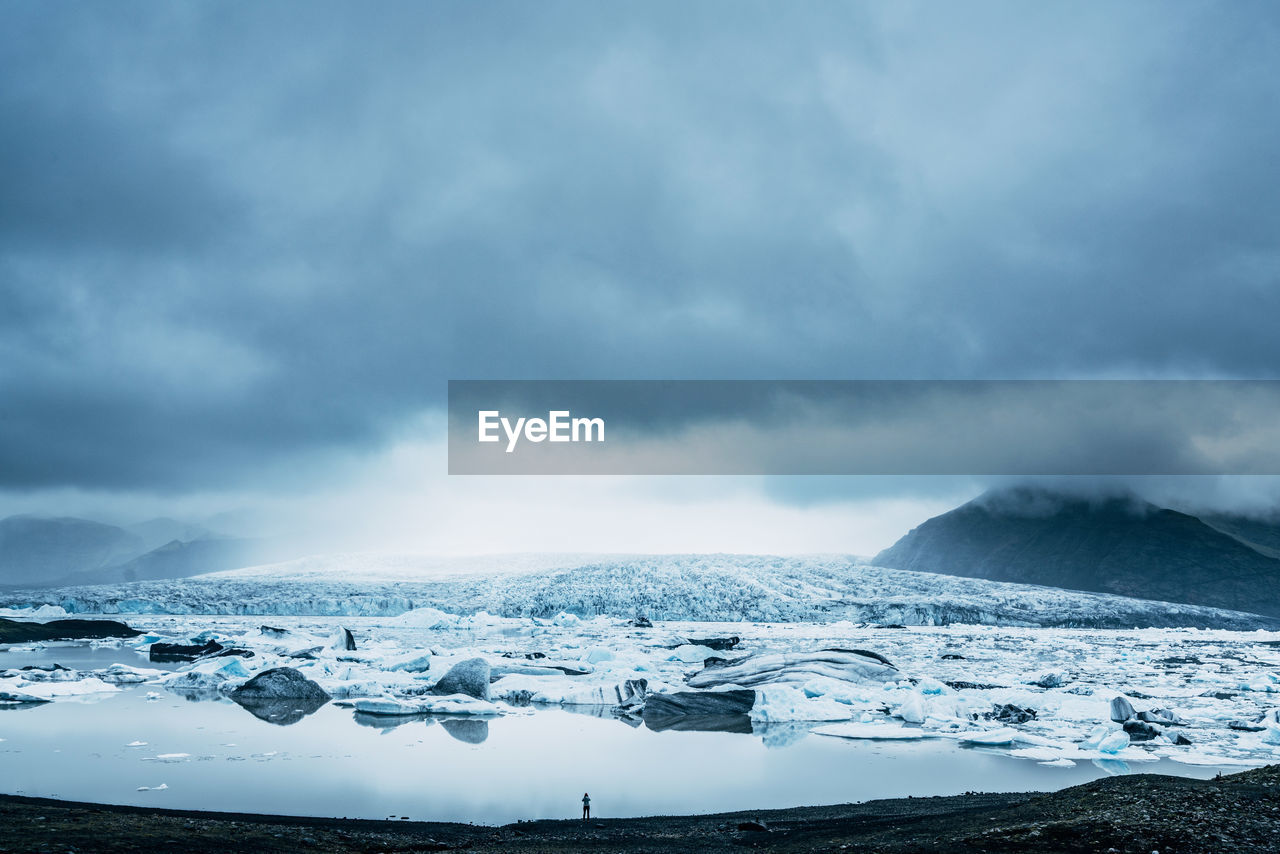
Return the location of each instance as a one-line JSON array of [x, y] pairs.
[[47, 552], [1123, 546], [1262, 535], [37, 550], [756, 588], [178, 560]]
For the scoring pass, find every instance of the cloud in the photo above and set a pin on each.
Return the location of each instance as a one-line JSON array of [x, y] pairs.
[[251, 242]]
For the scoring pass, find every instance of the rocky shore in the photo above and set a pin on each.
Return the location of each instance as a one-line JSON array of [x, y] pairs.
[[1135, 813]]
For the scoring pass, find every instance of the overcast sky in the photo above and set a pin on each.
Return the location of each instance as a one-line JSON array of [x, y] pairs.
[[244, 245]]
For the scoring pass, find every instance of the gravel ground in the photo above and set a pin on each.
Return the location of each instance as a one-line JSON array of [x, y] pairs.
[[1135, 813]]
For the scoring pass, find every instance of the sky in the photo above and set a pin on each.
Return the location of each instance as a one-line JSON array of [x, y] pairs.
[[243, 246]]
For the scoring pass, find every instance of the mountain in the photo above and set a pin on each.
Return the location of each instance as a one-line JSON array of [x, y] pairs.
[[177, 559], [162, 531], [38, 551], [35, 550], [1116, 544]]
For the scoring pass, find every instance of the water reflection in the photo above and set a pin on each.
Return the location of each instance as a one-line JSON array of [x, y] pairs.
[[282, 711], [467, 730]]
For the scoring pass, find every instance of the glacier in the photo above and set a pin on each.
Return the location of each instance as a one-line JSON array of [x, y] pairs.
[[704, 588]]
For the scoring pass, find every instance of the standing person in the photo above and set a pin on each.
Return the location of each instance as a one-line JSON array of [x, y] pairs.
[[586, 806]]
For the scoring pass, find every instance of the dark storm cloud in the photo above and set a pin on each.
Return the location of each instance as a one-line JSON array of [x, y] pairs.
[[235, 233]]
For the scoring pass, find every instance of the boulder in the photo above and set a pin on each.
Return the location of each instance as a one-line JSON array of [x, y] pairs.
[[170, 652], [700, 711], [846, 665], [283, 683], [1162, 717], [717, 644], [470, 677], [1141, 730], [683, 703], [1121, 709], [1050, 680], [1008, 713], [18, 631]]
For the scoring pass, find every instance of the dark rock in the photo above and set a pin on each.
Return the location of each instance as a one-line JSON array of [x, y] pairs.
[[683, 703], [718, 644], [470, 677], [1163, 717], [1243, 726], [1180, 740], [631, 696], [1007, 713], [169, 652], [1121, 709], [18, 631], [961, 685], [892, 626], [236, 652], [282, 683], [753, 826], [1141, 730]]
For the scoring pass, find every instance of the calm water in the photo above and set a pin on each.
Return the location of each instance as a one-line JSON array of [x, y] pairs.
[[537, 765]]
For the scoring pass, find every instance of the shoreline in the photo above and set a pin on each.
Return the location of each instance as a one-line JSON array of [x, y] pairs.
[[1138, 812]]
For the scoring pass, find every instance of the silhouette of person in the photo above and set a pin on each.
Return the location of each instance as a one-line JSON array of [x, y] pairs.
[[586, 806]]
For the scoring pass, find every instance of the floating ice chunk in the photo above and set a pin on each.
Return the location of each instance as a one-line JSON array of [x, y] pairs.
[[136, 744], [159, 788], [784, 703], [58, 690], [565, 620], [452, 704], [992, 737], [931, 686], [172, 757], [1114, 743], [912, 709], [885, 732], [1061, 762], [691, 653], [1096, 735], [124, 674], [597, 654], [426, 618], [414, 663], [152, 696]]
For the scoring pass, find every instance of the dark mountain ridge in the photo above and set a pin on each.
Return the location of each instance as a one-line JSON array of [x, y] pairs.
[[1117, 544]]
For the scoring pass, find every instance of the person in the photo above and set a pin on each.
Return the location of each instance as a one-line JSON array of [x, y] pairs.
[[586, 806]]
